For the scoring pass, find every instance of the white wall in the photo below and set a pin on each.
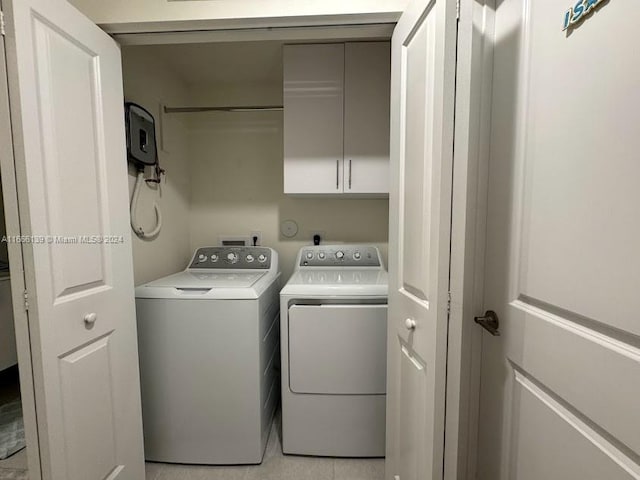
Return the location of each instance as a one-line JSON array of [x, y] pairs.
[[237, 181], [125, 15], [148, 82]]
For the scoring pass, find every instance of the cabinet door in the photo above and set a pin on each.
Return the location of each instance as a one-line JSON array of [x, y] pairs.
[[313, 118], [366, 117]]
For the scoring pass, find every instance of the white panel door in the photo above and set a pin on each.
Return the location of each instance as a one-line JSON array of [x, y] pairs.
[[560, 387], [422, 100], [367, 74], [313, 118], [65, 86]]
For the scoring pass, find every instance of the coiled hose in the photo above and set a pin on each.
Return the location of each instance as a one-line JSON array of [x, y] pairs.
[[134, 207]]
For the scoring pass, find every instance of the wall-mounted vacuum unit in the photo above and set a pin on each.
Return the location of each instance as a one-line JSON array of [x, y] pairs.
[[142, 153]]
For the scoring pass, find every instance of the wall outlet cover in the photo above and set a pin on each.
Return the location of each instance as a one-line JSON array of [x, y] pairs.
[[258, 237]]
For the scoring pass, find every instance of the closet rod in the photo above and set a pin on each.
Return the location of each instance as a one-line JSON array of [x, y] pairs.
[[248, 108]]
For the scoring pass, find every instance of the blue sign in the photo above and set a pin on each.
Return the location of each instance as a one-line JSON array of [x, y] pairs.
[[579, 11]]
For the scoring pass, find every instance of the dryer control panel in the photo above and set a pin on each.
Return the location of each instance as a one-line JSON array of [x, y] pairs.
[[339, 256], [241, 258]]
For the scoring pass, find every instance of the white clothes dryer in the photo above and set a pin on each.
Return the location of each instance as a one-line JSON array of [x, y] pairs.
[[333, 320], [208, 344]]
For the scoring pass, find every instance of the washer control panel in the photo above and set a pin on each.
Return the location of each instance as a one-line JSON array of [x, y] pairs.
[[339, 256], [254, 258]]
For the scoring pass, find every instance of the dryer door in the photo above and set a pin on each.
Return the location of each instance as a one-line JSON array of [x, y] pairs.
[[338, 349]]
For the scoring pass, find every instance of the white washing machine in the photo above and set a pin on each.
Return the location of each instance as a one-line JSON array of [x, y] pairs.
[[208, 343], [333, 321]]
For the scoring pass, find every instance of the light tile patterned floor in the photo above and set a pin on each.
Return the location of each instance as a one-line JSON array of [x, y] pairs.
[[14, 467], [276, 466], [16, 461], [10, 474]]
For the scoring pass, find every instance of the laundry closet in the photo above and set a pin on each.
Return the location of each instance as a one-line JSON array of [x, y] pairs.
[[230, 171], [234, 169], [512, 287], [261, 145], [271, 145]]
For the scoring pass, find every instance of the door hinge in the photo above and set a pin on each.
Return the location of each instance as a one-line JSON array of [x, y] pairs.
[[26, 300], [2, 30], [448, 303], [457, 9]]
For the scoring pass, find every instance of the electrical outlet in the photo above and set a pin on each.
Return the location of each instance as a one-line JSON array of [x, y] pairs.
[[257, 236]]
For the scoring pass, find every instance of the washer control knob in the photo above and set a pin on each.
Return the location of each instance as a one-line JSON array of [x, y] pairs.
[[309, 255], [321, 255], [202, 258], [357, 256], [232, 257], [249, 258], [339, 254], [262, 258], [214, 257]]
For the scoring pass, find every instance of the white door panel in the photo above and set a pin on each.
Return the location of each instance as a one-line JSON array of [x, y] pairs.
[[89, 365], [590, 455], [64, 141], [560, 386], [419, 63], [67, 112], [413, 416], [422, 98]]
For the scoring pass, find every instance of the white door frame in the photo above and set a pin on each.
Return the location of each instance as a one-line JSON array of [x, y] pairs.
[[474, 78], [473, 100]]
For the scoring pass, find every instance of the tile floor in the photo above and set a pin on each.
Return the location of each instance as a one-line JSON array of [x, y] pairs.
[[275, 466], [14, 467], [16, 461]]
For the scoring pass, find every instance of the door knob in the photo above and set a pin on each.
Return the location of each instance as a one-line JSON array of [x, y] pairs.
[[489, 322], [90, 318], [410, 324]]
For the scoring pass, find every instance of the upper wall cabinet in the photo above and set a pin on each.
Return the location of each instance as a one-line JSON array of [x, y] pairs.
[[336, 118]]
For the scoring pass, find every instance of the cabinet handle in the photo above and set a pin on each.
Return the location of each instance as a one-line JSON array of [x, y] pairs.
[[349, 174], [337, 174]]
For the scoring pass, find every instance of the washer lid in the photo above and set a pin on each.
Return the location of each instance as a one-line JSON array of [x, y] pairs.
[[209, 285], [209, 279]]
